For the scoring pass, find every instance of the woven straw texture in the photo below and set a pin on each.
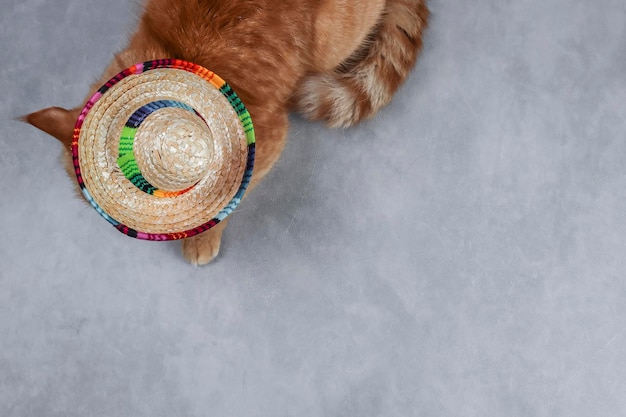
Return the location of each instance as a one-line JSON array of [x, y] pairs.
[[164, 150]]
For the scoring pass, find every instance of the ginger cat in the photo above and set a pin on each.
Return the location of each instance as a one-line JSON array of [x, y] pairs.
[[333, 60]]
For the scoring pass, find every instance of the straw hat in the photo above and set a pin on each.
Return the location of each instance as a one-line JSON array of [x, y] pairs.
[[164, 150]]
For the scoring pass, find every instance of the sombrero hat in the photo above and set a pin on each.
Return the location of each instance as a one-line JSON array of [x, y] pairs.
[[164, 150]]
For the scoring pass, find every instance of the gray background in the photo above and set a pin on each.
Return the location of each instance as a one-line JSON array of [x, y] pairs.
[[462, 254]]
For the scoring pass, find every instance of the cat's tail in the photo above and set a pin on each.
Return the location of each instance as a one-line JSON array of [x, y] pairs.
[[365, 82]]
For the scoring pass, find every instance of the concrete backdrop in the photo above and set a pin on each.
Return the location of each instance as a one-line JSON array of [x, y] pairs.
[[462, 254]]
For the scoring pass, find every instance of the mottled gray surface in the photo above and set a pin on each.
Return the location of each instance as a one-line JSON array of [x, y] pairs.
[[462, 254]]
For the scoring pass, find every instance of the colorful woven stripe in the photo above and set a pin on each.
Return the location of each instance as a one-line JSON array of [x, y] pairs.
[[126, 160]]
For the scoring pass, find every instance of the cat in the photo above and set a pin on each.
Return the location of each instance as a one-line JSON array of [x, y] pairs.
[[337, 61]]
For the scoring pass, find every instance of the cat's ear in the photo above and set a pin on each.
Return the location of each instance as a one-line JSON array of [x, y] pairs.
[[55, 121]]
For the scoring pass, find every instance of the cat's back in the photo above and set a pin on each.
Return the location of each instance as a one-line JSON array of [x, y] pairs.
[[341, 27], [326, 31]]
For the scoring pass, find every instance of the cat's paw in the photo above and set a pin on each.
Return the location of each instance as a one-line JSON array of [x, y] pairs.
[[203, 248]]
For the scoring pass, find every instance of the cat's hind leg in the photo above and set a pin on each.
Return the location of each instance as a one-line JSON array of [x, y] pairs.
[[367, 80]]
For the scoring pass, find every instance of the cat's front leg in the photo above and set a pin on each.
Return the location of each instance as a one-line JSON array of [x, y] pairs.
[[203, 248]]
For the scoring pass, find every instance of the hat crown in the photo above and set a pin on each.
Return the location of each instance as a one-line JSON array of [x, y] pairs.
[[173, 149]]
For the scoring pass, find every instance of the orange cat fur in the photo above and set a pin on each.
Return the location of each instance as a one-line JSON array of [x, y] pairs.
[[333, 60]]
